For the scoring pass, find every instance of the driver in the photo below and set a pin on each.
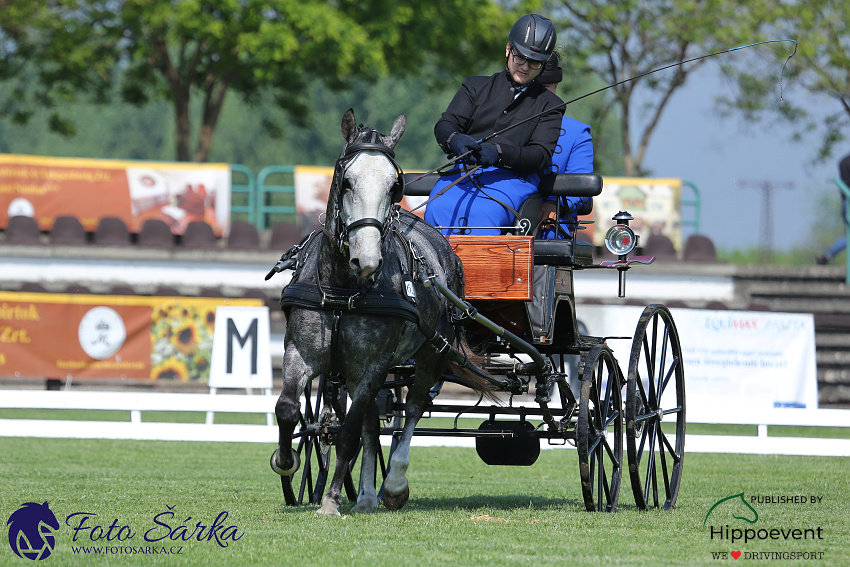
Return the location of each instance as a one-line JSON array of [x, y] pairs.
[[512, 161]]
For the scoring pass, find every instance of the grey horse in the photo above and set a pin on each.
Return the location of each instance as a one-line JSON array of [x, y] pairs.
[[362, 304]]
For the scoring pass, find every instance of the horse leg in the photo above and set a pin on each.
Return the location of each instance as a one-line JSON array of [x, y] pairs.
[[367, 499], [396, 488], [347, 444], [287, 412]]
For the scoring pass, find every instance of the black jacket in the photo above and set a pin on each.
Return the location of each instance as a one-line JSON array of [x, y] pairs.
[[485, 105]]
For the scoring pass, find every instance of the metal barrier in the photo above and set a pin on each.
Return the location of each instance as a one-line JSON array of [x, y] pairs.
[[271, 198], [243, 195], [695, 203]]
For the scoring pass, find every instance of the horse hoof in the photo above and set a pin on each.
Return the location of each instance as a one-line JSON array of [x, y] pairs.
[[329, 508], [396, 502], [296, 463], [365, 504]]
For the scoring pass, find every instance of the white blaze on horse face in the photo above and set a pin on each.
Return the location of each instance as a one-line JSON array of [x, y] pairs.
[[370, 176]]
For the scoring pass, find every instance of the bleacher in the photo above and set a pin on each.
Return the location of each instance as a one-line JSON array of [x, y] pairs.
[[154, 262]]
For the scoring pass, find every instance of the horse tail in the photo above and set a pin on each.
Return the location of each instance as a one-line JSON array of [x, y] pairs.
[[466, 367]]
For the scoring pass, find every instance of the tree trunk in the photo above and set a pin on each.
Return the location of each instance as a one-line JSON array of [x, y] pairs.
[[182, 125], [213, 103]]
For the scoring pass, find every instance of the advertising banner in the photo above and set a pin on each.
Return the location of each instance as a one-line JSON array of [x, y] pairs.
[[44, 335], [654, 204], [312, 188], [734, 360], [178, 193]]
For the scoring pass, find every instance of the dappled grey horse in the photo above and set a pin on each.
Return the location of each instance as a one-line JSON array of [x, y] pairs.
[[361, 303]]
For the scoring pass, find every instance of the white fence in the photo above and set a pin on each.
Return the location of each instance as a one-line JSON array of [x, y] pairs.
[[135, 403]]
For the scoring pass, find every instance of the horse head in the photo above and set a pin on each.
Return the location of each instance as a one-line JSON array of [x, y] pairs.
[[367, 182]]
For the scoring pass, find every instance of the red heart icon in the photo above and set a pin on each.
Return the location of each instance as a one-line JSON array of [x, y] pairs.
[[736, 554]]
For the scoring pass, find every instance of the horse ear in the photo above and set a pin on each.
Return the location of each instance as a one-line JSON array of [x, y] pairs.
[[398, 129], [349, 125]]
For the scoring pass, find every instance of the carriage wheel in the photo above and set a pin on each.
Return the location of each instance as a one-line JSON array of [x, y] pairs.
[[599, 431], [655, 394], [307, 485]]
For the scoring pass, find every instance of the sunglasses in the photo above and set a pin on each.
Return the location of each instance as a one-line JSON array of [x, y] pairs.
[[520, 60]]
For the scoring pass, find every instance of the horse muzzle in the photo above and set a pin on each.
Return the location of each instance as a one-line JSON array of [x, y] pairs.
[[364, 247]]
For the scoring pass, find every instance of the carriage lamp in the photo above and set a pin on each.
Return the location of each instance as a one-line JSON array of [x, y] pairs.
[[621, 239]]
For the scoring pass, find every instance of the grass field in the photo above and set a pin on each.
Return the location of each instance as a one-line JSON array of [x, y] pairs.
[[461, 511]]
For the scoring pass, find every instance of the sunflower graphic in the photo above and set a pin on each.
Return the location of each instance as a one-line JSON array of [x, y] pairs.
[[185, 339], [171, 369], [182, 335]]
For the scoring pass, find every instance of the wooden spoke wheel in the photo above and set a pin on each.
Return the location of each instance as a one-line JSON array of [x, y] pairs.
[[322, 409], [599, 431], [655, 410]]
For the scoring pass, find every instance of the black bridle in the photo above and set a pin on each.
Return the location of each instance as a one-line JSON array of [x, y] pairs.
[[369, 140]]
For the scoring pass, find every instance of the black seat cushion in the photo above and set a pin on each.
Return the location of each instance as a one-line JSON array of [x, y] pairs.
[[560, 252]]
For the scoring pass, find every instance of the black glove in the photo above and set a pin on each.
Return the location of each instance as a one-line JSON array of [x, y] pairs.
[[489, 154], [460, 144]]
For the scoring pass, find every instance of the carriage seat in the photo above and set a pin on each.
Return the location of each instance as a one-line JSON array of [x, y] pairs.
[[562, 252]]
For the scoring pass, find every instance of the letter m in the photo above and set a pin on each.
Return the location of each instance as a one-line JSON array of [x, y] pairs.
[[234, 334]]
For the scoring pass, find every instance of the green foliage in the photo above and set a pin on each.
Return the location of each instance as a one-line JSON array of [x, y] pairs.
[[819, 66], [180, 50], [261, 134], [797, 256], [621, 39]]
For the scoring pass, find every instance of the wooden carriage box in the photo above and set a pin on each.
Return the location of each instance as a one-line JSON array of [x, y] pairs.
[[496, 267]]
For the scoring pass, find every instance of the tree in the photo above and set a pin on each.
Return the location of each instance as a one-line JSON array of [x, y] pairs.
[[616, 40], [821, 66], [182, 50]]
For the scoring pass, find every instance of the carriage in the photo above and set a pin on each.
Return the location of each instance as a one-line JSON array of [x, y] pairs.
[[547, 381]]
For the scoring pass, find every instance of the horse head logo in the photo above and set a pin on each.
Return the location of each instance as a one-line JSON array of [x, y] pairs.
[[734, 507], [31, 530]]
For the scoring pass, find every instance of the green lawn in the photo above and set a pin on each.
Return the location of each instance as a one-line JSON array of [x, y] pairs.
[[461, 511]]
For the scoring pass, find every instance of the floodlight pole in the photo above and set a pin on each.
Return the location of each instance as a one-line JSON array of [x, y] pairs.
[[845, 192]]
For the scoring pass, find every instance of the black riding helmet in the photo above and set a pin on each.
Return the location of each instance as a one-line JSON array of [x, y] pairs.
[[533, 37]]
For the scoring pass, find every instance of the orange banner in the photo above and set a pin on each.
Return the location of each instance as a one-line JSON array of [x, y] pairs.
[[48, 187], [45, 335]]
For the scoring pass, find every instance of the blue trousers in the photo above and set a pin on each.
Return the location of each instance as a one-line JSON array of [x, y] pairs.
[[465, 205]]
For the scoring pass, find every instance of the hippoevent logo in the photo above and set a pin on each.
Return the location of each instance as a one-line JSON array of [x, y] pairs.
[[734, 519], [31, 529]]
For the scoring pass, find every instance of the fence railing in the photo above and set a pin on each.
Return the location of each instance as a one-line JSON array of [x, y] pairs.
[[137, 428]]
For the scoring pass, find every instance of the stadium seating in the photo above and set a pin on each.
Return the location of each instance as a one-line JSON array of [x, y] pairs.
[[198, 234], [661, 247], [284, 236], [22, 230], [243, 236], [112, 231], [155, 233], [699, 248], [68, 231]]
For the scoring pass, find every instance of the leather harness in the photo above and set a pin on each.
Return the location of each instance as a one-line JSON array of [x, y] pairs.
[[311, 294]]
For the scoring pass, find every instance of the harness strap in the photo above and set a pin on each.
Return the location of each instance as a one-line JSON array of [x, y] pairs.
[[307, 295], [366, 222]]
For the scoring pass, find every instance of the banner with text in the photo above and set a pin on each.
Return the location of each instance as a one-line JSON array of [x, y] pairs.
[[45, 188], [734, 360], [44, 335]]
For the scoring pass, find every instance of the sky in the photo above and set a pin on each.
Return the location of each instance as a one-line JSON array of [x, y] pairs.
[[692, 143]]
